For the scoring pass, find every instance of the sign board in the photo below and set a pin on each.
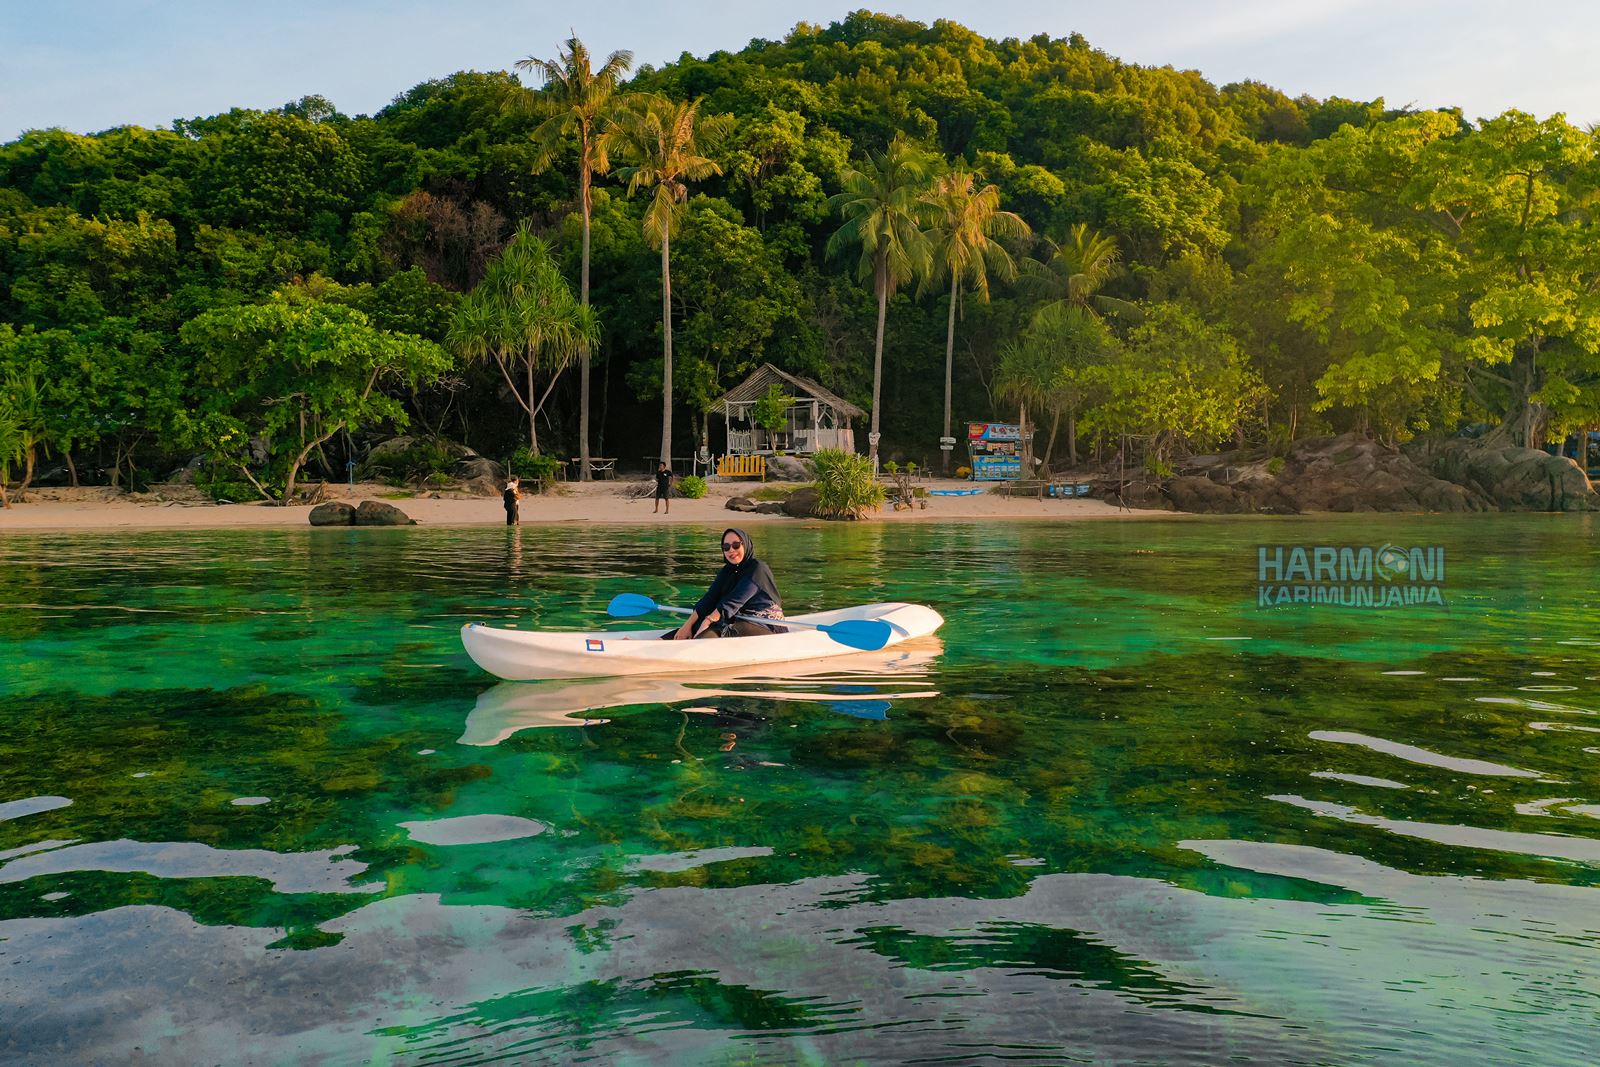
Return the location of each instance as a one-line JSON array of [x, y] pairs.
[[995, 449]]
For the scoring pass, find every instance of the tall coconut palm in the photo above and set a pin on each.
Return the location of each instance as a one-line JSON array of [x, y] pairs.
[[666, 145], [578, 101], [883, 212], [965, 219], [522, 315]]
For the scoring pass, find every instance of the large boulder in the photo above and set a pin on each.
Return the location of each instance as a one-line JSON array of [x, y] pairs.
[[740, 503], [1515, 479], [770, 507], [474, 468], [333, 513], [1193, 493], [377, 513], [801, 504], [790, 469]]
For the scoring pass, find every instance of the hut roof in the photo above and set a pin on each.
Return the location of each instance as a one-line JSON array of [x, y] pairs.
[[755, 386]]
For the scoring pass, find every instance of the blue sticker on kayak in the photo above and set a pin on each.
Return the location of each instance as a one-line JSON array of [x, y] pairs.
[[594, 645]]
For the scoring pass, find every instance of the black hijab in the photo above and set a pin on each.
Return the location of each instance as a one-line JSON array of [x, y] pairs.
[[730, 577]]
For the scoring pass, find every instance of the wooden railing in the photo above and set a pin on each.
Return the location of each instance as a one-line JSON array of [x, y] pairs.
[[742, 467]]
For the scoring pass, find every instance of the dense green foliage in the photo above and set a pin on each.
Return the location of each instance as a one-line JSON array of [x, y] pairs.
[[1339, 265]]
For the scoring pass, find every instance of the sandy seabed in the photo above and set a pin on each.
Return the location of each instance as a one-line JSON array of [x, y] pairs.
[[182, 507]]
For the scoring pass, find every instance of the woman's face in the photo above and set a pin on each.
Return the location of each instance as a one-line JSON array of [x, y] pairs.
[[732, 548]]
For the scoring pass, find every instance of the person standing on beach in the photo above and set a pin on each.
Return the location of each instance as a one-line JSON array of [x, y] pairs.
[[512, 494], [663, 488]]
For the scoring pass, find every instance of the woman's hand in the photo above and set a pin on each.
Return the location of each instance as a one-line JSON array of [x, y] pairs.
[[684, 633], [707, 621]]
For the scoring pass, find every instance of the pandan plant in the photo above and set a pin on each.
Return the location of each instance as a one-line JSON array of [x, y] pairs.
[[846, 488]]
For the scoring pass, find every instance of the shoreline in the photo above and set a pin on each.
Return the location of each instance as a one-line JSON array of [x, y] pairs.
[[179, 507]]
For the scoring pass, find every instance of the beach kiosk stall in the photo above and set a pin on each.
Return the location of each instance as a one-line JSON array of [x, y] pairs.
[[994, 451]]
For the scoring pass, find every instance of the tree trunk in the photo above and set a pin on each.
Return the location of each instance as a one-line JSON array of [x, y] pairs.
[[1583, 449], [72, 468], [1072, 436], [533, 432], [1022, 440], [666, 350], [27, 474], [1050, 447], [300, 460], [1525, 419], [949, 358], [877, 369], [583, 352]]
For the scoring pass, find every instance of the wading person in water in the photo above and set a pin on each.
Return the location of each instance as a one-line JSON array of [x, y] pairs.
[[512, 494], [663, 489], [744, 586]]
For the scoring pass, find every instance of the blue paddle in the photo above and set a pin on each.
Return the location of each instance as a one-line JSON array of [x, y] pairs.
[[869, 635]]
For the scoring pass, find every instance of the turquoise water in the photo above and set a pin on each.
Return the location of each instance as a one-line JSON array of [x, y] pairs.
[[257, 806]]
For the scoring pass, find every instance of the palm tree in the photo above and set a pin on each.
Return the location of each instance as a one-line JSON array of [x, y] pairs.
[[522, 314], [664, 143], [1070, 340], [579, 102], [882, 211], [1026, 376], [1075, 271], [965, 220]]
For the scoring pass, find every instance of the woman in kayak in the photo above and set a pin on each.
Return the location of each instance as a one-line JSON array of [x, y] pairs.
[[743, 586]]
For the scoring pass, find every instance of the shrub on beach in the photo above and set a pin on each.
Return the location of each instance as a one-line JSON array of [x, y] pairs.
[[846, 488], [534, 470], [692, 486], [417, 461]]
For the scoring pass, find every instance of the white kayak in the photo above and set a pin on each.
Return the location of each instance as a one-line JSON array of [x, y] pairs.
[[526, 655], [865, 678]]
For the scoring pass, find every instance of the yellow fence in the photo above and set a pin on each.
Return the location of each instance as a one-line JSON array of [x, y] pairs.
[[742, 467]]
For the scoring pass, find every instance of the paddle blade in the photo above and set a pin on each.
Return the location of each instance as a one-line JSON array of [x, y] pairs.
[[627, 605], [869, 635]]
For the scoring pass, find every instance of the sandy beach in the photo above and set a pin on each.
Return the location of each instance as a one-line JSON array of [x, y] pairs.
[[182, 507]]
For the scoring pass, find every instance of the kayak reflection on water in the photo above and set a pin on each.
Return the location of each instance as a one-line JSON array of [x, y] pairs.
[[743, 587], [863, 685]]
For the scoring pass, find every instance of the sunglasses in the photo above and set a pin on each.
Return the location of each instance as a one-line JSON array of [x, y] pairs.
[[729, 546]]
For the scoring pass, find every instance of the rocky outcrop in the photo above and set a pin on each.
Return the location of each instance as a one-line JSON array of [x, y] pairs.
[[801, 504], [366, 513], [333, 513], [377, 513], [475, 469], [1513, 478], [1348, 473], [789, 469], [740, 503], [771, 507]]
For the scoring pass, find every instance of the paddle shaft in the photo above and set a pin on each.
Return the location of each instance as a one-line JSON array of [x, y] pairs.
[[746, 618], [866, 634]]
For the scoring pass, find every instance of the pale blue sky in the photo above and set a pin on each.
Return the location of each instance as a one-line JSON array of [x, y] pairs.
[[90, 64]]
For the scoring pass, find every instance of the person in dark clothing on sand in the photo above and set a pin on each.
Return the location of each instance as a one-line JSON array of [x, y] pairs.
[[663, 489], [744, 586], [513, 494]]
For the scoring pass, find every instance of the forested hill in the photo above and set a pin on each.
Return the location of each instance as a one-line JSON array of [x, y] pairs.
[[1201, 264]]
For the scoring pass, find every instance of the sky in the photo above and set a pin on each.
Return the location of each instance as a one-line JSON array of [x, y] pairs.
[[87, 65]]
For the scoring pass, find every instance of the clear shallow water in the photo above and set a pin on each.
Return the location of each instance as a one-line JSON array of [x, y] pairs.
[[257, 806]]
